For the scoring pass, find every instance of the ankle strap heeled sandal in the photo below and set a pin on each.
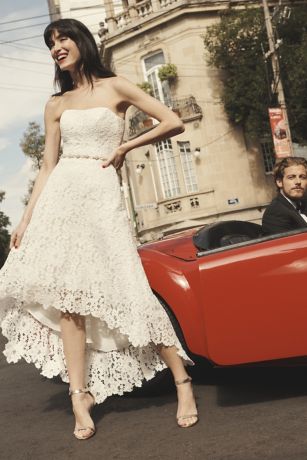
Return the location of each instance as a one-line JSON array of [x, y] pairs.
[[91, 430], [181, 382], [185, 417]]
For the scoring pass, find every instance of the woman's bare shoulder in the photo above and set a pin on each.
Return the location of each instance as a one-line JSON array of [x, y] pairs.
[[118, 83], [121, 82], [54, 107]]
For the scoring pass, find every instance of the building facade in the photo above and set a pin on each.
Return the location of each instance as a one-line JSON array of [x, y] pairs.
[[207, 173]]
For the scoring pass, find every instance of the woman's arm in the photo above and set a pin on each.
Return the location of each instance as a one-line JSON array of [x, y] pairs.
[[170, 124], [51, 153]]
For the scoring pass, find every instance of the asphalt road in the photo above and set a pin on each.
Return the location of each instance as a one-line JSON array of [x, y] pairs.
[[245, 414]]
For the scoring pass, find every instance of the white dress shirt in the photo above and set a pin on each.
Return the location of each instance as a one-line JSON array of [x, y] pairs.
[[294, 205]]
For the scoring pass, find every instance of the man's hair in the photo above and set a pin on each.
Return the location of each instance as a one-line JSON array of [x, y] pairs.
[[279, 169]]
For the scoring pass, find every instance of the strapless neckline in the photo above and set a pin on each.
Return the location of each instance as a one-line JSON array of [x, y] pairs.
[[93, 131], [93, 108]]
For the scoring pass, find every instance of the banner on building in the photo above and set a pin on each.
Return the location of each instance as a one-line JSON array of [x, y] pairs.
[[279, 133]]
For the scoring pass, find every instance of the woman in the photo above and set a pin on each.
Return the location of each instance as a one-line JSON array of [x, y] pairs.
[[75, 299]]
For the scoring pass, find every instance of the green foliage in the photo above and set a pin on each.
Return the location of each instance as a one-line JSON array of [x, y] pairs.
[[4, 234], [168, 72], [26, 198], [32, 145], [293, 65], [234, 46], [147, 87]]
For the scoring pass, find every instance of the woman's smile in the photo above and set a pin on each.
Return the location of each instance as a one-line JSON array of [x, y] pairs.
[[64, 51]]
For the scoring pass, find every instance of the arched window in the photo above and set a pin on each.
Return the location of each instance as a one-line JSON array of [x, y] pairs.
[[151, 66]]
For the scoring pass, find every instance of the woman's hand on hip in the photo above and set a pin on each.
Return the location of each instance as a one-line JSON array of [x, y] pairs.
[[116, 159], [17, 235]]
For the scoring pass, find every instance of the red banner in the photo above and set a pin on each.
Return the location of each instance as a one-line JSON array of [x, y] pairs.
[[279, 133]]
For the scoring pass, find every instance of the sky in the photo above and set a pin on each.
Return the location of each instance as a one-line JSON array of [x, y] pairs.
[[24, 89]]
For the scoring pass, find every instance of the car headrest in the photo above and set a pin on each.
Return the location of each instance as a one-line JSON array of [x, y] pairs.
[[223, 233]]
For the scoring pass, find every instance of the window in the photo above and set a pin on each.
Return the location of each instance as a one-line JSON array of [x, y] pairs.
[[152, 63], [268, 155], [167, 167], [188, 168]]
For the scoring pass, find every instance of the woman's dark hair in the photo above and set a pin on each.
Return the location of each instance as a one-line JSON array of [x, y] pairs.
[[90, 64]]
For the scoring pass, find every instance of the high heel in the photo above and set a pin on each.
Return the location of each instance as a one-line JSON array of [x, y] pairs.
[[185, 417], [92, 430]]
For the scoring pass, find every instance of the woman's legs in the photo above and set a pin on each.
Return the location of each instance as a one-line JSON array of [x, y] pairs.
[[73, 336], [186, 400]]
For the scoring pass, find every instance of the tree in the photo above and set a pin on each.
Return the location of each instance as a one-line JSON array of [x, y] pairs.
[[32, 145], [293, 64], [4, 234], [235, 46]]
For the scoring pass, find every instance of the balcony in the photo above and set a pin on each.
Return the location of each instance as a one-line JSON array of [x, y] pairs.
[[186, 108], [139, 123], [184, 211], [138, 11], [197, 201]]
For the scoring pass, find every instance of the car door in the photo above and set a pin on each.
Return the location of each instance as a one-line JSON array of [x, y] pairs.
[[254, 300]]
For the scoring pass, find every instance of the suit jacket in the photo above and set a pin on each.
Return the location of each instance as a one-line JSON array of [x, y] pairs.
[[281, 216]]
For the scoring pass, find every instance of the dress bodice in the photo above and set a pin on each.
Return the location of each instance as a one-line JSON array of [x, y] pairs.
[[90, 132]]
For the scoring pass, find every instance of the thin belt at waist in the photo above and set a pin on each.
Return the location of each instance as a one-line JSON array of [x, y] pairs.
[[88, 157]]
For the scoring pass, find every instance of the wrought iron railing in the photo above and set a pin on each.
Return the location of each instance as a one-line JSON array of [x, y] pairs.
[[186, 108], [139, 122]]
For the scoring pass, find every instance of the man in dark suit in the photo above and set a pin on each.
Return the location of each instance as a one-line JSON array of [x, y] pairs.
[[287, 210]]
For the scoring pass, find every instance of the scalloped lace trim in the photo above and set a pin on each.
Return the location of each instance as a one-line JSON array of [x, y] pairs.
[[108, 373]]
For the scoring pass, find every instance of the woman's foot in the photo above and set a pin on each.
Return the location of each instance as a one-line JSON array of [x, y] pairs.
[[82, 403], [187, 412]]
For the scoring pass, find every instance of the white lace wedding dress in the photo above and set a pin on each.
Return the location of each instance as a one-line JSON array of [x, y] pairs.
[[78, 255]]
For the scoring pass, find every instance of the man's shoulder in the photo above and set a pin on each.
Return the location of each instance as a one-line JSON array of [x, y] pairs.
[[279, 202]]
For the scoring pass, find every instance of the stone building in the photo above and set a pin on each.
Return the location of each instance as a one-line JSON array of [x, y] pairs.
[[208, 173]]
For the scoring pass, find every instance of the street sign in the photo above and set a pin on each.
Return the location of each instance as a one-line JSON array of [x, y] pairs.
[[233, 201], [279, 133]]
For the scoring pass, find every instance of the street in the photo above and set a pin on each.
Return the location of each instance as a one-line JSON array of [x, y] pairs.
[[245, 414]]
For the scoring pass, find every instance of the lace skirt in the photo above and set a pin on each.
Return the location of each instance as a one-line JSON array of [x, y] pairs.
[[78, 255]]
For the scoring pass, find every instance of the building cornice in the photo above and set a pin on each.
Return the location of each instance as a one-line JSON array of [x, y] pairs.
[[178, 8]]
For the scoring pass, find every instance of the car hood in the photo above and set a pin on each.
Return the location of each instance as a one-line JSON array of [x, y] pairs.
[[181, 247]]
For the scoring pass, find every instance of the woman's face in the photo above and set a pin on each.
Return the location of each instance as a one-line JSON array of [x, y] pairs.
[[64, 51]]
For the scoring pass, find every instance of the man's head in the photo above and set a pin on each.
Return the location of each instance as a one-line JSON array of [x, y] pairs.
[[290, 176]]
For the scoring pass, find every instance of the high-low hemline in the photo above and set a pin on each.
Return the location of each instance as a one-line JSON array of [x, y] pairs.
[[108, 373]]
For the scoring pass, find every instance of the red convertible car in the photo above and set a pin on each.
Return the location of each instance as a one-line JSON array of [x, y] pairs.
[[233, 295]]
